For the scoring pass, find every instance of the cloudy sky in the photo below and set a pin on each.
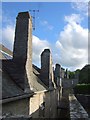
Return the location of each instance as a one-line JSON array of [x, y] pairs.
[[60, 26]]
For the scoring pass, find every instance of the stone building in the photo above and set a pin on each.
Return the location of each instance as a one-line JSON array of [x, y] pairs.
[[28, 91]]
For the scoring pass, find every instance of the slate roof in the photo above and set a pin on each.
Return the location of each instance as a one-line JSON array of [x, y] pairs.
[[9, 88], [3, 48], [38, 85], [15, 72], [13, 79]]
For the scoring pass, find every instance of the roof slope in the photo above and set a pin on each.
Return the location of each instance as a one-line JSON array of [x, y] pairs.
[[5, 53], [13, 77], [37, 85], [6, 50], [12, 80], [15, 72], [9, 88]]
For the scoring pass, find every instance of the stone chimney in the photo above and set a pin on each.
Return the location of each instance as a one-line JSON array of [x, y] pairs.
[[66, 74], [46, 68], [57, 74], [22, 52]]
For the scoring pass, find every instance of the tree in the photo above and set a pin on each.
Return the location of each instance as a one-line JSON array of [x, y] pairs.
[[71, 75], [84, 76]]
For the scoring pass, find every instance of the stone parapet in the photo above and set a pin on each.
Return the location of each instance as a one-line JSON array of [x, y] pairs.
[[76, 109]]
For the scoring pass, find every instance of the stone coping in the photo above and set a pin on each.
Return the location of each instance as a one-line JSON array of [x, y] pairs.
[[76, 109]]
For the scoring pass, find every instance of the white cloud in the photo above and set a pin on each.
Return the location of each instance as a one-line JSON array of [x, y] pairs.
[[73, 18], [71, 47], [46, 24], [8, 36], [73, 44], [38, 47], [81, 6], [8, 30]]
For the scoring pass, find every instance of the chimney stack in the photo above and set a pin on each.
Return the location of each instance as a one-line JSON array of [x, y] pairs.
[[57, 74], [46, 68], [22, 52]]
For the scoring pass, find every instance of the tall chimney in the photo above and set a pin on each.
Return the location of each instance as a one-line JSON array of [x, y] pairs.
[[57, 74], [46, 68], [22, 52]]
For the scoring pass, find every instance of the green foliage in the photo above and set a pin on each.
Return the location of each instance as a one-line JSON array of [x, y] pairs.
[[77, 71], [71, 75], [74, 74], [82, 89], [84, 76]]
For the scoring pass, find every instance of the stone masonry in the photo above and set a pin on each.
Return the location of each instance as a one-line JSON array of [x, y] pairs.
[[46, 68], [57, 74], [22, 55]]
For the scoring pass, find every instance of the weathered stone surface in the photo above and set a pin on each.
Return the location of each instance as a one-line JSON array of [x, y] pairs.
[[47, 75], [49, 108], [76, 109], [19, 107], [57, 74], [62, 72], [22, 53]]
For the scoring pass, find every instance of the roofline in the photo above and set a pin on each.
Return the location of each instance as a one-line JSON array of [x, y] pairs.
[[16, 98], [23, 96], [6, 50]]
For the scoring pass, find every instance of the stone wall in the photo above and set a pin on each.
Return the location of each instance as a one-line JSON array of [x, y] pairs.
[[44, 104], [15, 108], [35, 103], [69, 83], [76, 109]]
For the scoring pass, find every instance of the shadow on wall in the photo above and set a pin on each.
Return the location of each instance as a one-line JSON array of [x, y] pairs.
[[16, 109], [44, 105]]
